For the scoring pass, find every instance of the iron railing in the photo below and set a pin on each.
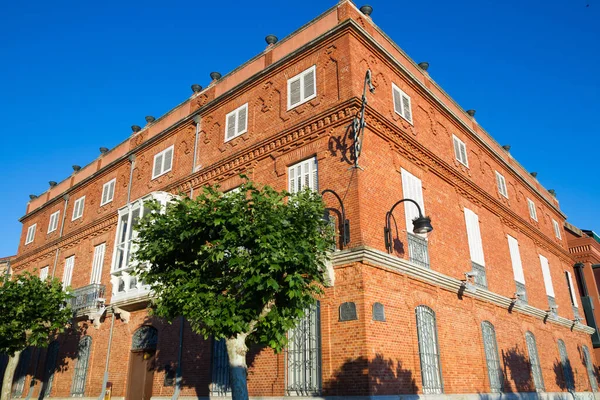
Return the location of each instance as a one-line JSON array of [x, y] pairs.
[[86, 298], [480, 278], [417, 250], [521, 291]]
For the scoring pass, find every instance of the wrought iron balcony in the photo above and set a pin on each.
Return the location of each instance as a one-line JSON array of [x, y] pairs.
[[417, 250], [87, 299]]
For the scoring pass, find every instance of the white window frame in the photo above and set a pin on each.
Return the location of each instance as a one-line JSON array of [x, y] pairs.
[[532, 209], [30, 234], [78, 205], [98, 263], [501, 184], [301, 76], [236, 112], [162, 163], [308, 167], [68, 271], [44, 272], [402, 110], [556, 229], [53, 222], [457, 154], [106, 188]]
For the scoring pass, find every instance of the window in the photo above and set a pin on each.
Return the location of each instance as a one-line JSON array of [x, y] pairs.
[[429, 353], [236, 122], [304, 174], [547, 281], [78, 208], [220, 385], [501, 184], [53, 224], [475, 247], [556, 229], [566, 366], [302, 87], [572, 292], [30, 234], [108, 192], [412, 188], [68, 272], [460, 151], [590, 368], [532, 210], [97, 263], [163, 162], [49, 368], [81, 368], [44, 273], [21, 372], [402, 103], [490, 347], [304, 355], [515, 257], [534, 360]]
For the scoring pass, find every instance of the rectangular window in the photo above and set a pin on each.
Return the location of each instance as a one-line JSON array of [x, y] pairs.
[[556, 229], [515, 257], [303, 174], [547, 276], [501, 184], [163, 162], [460, 151], [236, 122], [475, 247], [532, 210], [68, 272], [572, 292], [78, 208], [304, 355], [53, 224], [412, 188], [30, 234], [429, 351], [402, 105], [302, 87], [97, 263], [108, 192], [44, 273]]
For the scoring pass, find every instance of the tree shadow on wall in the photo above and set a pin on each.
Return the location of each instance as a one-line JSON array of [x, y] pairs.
[[359, 377], [517, 366], [564, 375]]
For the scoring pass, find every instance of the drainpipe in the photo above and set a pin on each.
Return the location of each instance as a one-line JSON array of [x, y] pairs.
[[178, 373], [62, 227], [132, 166], [197, 120]]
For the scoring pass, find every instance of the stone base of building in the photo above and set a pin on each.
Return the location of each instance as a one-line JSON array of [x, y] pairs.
[[466, 396]]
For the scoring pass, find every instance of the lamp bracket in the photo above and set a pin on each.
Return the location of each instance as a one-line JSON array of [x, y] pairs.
[[359, 123]]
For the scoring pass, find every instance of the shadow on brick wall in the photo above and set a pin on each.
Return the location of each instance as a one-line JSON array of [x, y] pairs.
[[518, 368], [379, 376]]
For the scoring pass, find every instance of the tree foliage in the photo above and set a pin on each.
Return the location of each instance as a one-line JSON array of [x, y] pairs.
[[249, 261], [31, 311]]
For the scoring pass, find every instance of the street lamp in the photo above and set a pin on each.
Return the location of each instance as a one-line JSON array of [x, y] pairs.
[[421, 224], [345, 227]]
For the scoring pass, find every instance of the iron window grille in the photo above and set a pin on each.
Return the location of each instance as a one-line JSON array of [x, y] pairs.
[[49, 368], [534, 360], [480, 277], [418, 251], [81, 368], [521, 291], [220, 385], [566, 366], [429, 354], [303, 372], [490, 346], [590, 368]]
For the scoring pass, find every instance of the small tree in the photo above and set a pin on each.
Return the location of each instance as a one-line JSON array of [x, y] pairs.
[[242, 266], [31, 312]]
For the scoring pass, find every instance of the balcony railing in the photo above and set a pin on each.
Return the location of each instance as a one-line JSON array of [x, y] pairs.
[[417, 250], [87, 299]]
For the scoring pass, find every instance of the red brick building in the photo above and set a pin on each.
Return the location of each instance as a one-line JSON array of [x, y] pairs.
[[484, 305]]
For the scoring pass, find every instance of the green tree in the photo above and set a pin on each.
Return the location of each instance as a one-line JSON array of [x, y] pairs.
[[243, 266], [31, 312]]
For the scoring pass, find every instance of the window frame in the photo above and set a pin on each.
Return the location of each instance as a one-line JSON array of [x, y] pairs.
[[50, 228], [402, 93], [456, 140], [236, 112], [532, 209], [500, 178], [313, 175], [556, 227], [106, 186], [44, 272], [301, 76], [75, 204], [425, 359], [30, 237], [162, 153]]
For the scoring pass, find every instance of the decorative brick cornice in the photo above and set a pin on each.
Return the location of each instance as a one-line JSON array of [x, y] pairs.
[[370, 256]]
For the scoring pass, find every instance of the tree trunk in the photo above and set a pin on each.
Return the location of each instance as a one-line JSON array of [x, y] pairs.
[[9, 374], [238, 370]]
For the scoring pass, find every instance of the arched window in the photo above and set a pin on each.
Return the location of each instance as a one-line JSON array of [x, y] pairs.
[[49, 368], [490, 346], [590, 368], [566, 365], [534, 360], [81, 368], [304, 356], [429, 353], [144, 338], [220, 369]]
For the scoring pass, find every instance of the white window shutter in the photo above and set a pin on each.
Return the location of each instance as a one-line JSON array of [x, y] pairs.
[[158, 160], [515, 256], [111, 191], [456, 148], [463, 153], [292, 182], [572, 289], [315, 175], [68, 272], [231, 126], [295, 95], [44, 273], [97, 263], [474, 237], [105, 190], [406, 107], [547, 276], [309, 84], [168, 160], [242, 119], [412, 188], [397, 101]]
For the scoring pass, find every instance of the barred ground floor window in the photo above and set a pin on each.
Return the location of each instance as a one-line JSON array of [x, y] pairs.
[[534, 360], [303, 356], [429, 352], [490, 347], [81, 367]]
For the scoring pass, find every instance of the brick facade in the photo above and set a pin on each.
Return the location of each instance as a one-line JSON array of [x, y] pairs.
[[359, 357]]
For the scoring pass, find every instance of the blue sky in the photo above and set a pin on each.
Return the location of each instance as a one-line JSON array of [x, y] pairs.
[[74, 76]]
